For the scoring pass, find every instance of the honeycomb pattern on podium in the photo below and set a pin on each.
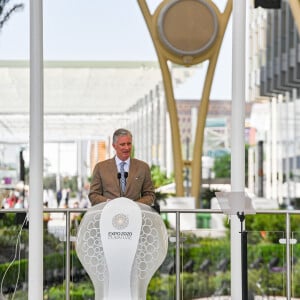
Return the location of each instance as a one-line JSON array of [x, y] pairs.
[[92, 248], [147, 252], [148, 248]]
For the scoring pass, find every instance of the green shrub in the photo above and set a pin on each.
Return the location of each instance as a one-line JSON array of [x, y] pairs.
[[81, 291], [195, 283]]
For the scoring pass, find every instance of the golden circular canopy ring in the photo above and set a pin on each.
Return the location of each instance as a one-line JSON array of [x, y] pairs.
[[187, 27]]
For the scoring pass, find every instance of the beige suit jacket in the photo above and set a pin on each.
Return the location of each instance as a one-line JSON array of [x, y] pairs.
[[106, 185]]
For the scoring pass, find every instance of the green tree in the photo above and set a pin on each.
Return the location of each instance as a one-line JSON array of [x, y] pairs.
[[49, 182], [222, 165], [271, 224], [159, 177]]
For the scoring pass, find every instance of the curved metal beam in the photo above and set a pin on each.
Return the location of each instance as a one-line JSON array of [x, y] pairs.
[[295, 8], [165, 54]]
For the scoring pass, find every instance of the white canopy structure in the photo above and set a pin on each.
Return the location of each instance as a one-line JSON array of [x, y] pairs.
[[82, 100]]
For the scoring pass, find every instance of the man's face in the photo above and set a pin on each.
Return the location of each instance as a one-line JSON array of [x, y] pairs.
[[123, 147]]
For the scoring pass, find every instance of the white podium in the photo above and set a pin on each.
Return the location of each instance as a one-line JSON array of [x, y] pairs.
[[121, 244]]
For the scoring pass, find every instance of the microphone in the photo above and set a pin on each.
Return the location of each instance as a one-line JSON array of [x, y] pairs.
[[125, 175], [119, 177]]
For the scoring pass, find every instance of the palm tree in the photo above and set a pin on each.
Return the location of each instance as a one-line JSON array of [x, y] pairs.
[[5, 13]]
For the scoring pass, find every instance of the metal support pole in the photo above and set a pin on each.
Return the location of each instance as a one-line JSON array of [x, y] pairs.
[[187, 174], [35, 269], [274, 164], [177, 263], [288, 257], [68, 265], [237, 136], [244, 265], [244, 258], [58, 183]]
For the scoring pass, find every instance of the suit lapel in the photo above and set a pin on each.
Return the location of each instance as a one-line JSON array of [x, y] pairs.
[[132, 172], [114, 169]]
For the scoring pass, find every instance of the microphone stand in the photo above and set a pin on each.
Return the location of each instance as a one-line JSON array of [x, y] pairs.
[[238, 203], [119, 177], [244, 253]]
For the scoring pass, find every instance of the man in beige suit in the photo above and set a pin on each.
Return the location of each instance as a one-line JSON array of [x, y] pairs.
[[107, 176]]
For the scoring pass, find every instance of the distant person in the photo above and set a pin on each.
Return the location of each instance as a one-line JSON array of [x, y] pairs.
[[12, 200], [20, 217], [67, 198], [75, 216], [46, 216], [20, 203], [58, 197], [108, 176]]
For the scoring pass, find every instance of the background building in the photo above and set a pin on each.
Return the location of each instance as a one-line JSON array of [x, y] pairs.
[[274, 87]]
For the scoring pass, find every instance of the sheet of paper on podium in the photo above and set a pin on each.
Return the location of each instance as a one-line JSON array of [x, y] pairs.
[[232, 203]]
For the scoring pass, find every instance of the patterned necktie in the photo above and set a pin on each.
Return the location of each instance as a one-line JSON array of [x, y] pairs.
[[122, 179]]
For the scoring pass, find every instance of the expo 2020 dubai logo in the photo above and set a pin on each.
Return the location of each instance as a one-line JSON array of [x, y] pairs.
[[120, 221]]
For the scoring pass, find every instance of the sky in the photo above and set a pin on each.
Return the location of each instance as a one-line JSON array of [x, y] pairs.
[[81, 30], [112, 30], [100, 30], [88, 30]]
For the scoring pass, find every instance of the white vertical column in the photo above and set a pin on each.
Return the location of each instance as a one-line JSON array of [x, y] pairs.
[[148, 127], [157, 127], [79, 160], [268, 157], [251, 168], [35, 276], [168, 147], [143, 122], [194, 116], [58, 185], [279, 150], [237, 138], [165, 121], [274, 148], [287, 148], [145, 128], [256, 170], [295, 142], [136, 128]]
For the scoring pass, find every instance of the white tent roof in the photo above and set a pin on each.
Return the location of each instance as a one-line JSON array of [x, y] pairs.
[[81, 99]]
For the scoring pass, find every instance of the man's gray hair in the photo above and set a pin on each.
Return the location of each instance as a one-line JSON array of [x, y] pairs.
[[120, 132]]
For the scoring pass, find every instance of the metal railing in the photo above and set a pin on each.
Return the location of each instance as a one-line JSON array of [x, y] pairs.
[[68, 238]]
